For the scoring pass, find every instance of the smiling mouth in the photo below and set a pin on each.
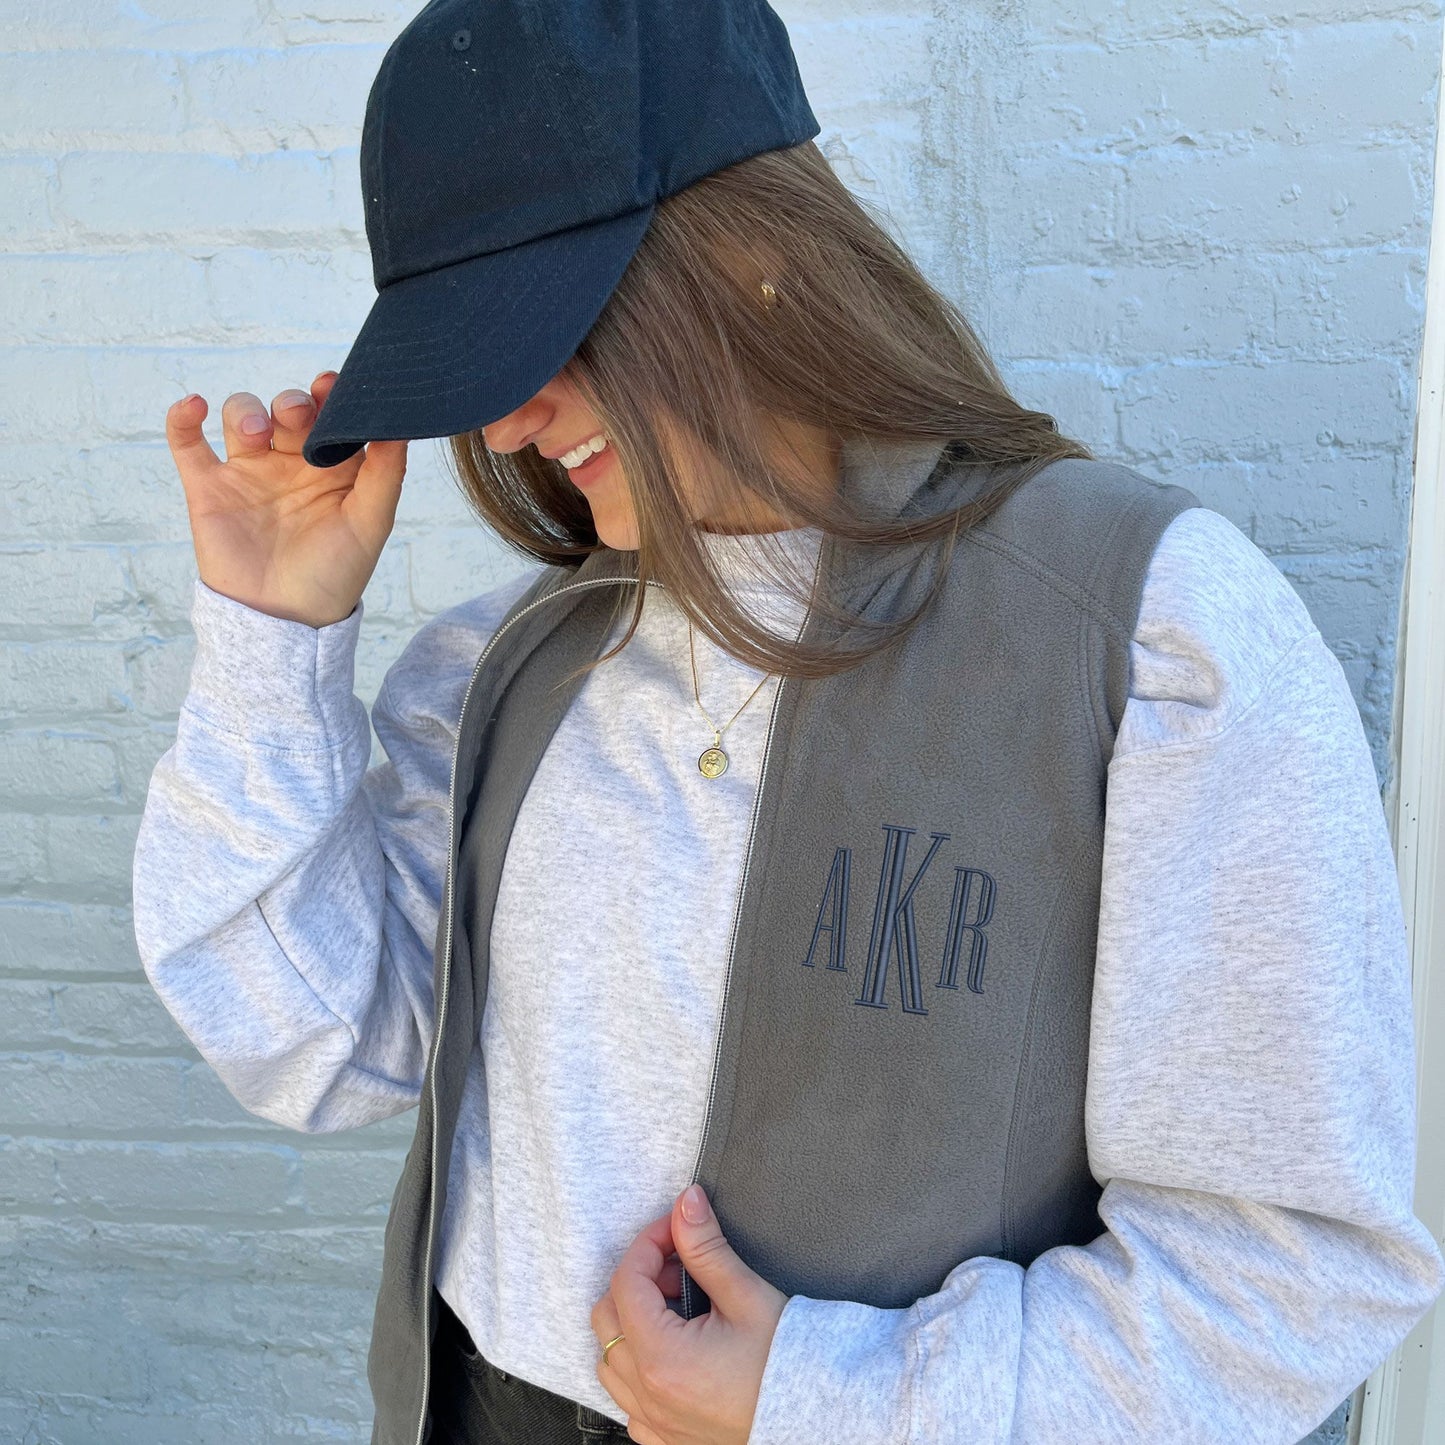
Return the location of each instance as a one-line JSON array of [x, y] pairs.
[[596, 463], [584, 452]]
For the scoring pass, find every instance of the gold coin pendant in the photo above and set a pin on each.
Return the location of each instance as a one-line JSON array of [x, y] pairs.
[[712, 763]]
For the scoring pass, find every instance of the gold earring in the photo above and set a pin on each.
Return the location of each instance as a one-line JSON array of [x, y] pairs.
[[769, 295]]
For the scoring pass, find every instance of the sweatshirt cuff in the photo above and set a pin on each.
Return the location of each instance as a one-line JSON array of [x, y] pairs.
[[269, 679], [836, 1371]]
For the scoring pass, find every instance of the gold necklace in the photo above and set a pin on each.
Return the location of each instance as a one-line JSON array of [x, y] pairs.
[[713, 762]]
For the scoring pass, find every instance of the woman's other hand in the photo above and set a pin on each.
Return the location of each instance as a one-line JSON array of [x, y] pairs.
[[271, 531], [686, 1382]]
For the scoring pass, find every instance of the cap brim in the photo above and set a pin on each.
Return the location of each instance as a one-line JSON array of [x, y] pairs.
[[450, 350]]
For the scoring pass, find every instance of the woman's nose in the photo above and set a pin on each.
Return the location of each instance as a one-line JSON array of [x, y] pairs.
[[512, 432], [503, 435]]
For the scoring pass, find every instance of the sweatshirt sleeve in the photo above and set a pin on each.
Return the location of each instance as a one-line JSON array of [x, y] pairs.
[[285, 896], [1249, 1106]]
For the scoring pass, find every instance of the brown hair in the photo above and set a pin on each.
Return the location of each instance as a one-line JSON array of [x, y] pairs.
[[686, 355]]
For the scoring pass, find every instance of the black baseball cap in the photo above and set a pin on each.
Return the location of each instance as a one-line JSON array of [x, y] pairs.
[[512, 155]]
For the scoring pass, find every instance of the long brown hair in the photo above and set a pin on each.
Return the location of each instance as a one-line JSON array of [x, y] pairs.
[[686, 355]]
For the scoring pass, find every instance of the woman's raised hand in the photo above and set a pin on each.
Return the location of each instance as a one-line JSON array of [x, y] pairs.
[[271, 531]]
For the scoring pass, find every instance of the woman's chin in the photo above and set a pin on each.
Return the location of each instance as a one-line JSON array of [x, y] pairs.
[[617, 532]]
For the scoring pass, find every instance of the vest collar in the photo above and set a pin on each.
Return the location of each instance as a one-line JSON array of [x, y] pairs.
[[885, 477]]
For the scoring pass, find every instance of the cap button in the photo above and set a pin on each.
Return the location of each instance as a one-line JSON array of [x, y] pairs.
[[461, 39]]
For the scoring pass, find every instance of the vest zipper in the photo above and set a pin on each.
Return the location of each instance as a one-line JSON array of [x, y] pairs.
[[687, 1289], [441, 1002], [688, 1297]]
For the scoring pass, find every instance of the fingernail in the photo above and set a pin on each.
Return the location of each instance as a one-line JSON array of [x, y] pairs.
[[254, 422], [293, 398], [187, 399], [694, 1205]]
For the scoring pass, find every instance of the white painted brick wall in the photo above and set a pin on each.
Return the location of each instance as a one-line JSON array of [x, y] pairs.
[[1196, 234]]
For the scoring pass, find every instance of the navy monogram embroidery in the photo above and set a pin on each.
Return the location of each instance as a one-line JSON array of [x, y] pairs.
[[893, 925], [895, 929], [959, 924], [835, 907]]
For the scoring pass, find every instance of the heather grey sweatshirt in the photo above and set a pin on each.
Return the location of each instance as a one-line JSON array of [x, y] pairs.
[[1250, 1086]]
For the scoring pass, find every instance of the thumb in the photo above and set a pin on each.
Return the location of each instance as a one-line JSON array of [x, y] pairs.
[[377, 488], [705, 1253]]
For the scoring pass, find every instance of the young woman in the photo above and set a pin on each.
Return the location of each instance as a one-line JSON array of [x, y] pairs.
[[887, 919]]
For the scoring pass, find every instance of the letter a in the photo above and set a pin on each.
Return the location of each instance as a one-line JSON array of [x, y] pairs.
[[837, 930]]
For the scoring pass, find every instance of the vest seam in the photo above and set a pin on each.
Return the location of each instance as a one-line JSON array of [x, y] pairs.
[[1011, 1164], [1094, 703], [1071, 592], [1107, 553]]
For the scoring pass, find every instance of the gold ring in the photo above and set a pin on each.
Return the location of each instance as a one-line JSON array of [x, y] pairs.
[[607, 1347]]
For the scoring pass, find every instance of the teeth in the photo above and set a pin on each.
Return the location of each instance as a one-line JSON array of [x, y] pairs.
[[578, 455]]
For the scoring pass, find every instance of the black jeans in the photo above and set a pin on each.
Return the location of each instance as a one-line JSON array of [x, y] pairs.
[[474, 1403]]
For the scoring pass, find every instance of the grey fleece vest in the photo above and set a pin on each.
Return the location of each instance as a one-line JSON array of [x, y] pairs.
[[898, 1083]]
